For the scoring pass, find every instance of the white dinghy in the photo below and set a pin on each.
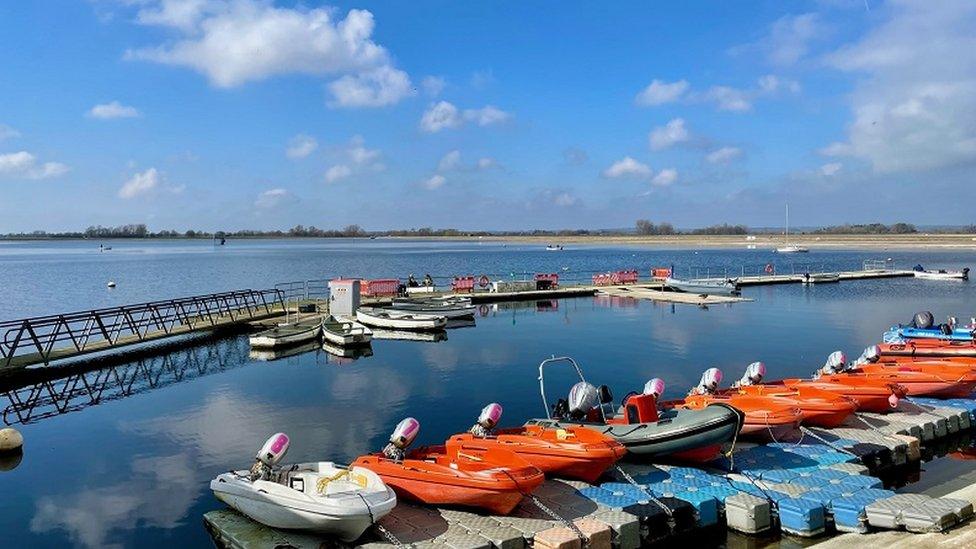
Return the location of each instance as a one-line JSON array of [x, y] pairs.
[[318, 497], [345, 332], [941, 274], [286, 334], [446, 309], [399, 320]]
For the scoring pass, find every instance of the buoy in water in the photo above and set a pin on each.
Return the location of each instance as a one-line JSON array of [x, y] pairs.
[[111, 283], [10, 440]]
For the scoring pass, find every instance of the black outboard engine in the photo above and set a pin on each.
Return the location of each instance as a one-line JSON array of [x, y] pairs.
[[923, 320]]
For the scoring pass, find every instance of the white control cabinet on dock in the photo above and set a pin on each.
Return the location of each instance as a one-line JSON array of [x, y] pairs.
[[343, 296]]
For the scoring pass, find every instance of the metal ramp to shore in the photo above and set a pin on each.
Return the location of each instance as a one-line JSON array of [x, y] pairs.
[[43, 339]]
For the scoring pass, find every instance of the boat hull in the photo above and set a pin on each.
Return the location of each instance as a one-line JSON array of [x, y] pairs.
[[869, 396], [819, 408], [282, 336], [701, 287], [765, 417], [495, 481], [682, 434], [929, 348], [578, 453]]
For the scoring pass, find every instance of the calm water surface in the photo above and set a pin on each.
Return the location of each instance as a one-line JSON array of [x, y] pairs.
[[123, 455]]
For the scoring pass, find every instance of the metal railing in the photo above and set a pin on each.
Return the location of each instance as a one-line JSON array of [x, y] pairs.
[[43, 339], [304, 290], [51, 393]]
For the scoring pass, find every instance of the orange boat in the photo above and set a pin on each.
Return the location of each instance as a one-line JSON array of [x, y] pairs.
[[577, 453], [928, 379], [929, 348], [766, 417], [820, 407], [870, 394], [494, 481]]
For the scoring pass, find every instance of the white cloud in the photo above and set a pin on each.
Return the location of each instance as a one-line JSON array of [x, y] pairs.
[[353, 159], [6, 132], [23, 164], [831, 169], [301, 146], [440, 116], [271, 198], [451, 161], [140, 184], [111, 110], [564, 200], [660, 92], [723, 155], [337, 172], [788, 39], [434, 182], [665, 177], [487, 163], [670, 134], [729, 99], [433, 85], [771, 84], [376, 88], [232, 42], [487, 115], [913, 104], [629, 168]]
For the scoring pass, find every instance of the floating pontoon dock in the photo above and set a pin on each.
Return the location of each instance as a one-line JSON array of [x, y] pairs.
[[825, 484]]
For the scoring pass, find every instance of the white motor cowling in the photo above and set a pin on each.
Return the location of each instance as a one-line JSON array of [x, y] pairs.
[[654, 387], [709, 382], [403, 436], [753, 375], [871, 353], [274, 450], [583, 397], [836, 363], [487, 420], [269, 455]]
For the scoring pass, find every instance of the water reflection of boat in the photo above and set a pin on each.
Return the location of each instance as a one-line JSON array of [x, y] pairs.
[[278, 353], [455, 323], [405, 335], [353, 353]]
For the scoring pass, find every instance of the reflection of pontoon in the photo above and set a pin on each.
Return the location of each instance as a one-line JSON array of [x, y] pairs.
[[455, 323], [284, 352], [405, 335]]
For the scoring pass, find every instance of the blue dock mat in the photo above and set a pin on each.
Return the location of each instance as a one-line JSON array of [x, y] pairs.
[[801, 516], [706, 506]]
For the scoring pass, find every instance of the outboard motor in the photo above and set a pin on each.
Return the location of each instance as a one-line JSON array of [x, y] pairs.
[[923, 320], [654, 387], [753, 375], [709, 382], [583, 397], [487, 421], [870, 355], [403, 436], [269, 455], [836, 363]]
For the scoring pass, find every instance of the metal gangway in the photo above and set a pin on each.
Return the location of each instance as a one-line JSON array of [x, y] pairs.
[[44, 339]]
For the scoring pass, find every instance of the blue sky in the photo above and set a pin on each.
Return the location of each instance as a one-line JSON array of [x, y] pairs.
[[214, 114]]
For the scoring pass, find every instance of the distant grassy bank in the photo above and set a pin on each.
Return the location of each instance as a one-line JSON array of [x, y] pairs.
[[761, 242]]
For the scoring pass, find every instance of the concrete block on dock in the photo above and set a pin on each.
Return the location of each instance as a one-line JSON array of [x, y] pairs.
[[557, 538], [625, 528], [503, 537], [747, 513], [598, 535]]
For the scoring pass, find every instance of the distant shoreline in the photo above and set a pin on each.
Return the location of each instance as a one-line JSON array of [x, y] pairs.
[[760, 241]]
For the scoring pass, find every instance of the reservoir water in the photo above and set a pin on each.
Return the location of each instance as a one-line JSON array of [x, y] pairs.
[[123, 455]]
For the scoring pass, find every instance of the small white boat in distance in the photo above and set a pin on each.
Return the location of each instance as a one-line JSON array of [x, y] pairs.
[[399, 320], [703, 287], [345, 332], [554, 248], [317, 497], [446, 309], [287, 334], [941, 274], [792, 249]]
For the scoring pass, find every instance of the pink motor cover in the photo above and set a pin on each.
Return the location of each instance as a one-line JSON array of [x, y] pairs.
[[490, 415]]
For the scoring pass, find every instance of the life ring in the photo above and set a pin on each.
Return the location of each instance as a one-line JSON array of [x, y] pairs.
[[483, 281], [483, 310], [769, 268]]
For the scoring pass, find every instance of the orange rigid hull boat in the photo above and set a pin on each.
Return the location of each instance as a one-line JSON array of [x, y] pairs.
[[765, 417], [870, 394], [925, 347], [928, 379], [494, 481], [819, 407], [581, 454]]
